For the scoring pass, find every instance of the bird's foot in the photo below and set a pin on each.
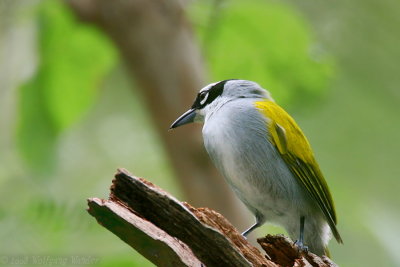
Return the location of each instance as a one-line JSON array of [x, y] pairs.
[[300, 245]]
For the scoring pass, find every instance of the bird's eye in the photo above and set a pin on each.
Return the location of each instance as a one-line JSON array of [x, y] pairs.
[[203, 97]]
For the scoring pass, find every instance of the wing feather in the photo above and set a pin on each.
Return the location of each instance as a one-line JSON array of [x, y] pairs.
[[295, 150]]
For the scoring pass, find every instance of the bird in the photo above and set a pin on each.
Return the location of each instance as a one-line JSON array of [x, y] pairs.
[[266, 160]]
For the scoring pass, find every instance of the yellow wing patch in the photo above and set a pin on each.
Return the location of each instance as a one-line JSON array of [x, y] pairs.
[[295, 150], [296, 142]]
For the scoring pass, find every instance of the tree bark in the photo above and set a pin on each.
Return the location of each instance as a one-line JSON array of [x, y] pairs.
[[171, 233], [155, 40]]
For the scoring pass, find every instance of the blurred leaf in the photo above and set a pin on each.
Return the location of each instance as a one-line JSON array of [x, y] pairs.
[[36, 132], [74, 58], [267, 42]]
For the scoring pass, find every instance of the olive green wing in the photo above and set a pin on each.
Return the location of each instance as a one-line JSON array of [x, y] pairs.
[[296, 152]]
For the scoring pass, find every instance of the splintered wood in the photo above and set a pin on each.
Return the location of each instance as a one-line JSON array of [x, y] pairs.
[[172, 233]]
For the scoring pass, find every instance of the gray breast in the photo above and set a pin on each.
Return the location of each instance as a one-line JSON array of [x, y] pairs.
[[237, 140]]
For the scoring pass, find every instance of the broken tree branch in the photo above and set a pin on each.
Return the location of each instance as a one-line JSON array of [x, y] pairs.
[[172, 233]]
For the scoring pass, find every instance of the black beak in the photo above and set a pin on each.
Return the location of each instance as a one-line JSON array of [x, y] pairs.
[[185, 118]]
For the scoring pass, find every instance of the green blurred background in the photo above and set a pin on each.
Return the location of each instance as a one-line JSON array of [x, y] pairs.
[[63, 89]]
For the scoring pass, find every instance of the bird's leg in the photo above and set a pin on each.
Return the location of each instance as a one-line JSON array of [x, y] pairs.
[[248, 231], [300, 243], [259, 222]]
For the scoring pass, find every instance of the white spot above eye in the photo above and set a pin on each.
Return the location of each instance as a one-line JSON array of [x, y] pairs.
[[203, 98]]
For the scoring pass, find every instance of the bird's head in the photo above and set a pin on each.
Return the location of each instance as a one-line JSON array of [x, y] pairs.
[[213, 96]]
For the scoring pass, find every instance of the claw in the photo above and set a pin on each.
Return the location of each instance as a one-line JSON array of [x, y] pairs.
[[300, 245]]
